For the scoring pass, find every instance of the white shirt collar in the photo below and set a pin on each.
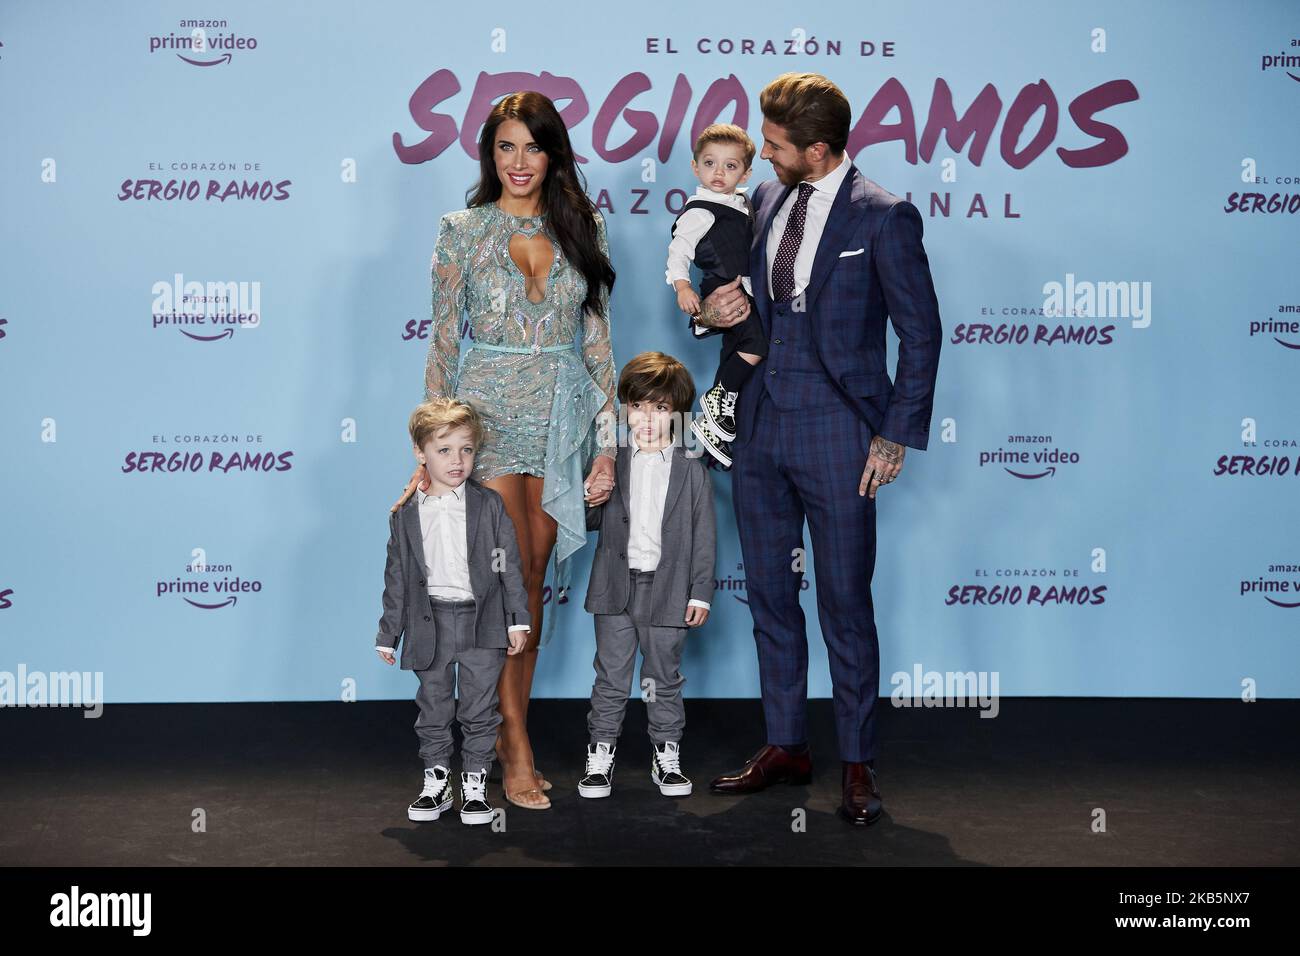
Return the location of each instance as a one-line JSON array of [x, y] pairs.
[[659, 454], [459, 494], [734, 200], [831, 181]]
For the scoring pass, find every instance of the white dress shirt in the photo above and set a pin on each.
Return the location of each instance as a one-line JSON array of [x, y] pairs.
[[647, 492], [814, 223], [690, 229], [446, 555], [446, 542]]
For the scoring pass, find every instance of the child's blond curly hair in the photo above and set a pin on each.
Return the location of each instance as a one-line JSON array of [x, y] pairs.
[[432, 416]]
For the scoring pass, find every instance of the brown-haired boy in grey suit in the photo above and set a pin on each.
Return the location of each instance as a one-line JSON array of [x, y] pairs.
[[652, 574]]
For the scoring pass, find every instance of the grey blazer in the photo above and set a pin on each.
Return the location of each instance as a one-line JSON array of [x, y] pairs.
[[499, 596], [687, 542]]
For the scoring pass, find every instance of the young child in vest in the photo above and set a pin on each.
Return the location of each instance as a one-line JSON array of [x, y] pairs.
[[714, 232], [652, 572], [453, 586]]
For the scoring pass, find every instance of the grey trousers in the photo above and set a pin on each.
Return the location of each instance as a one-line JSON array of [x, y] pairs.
[[458, 664], [617, 639]]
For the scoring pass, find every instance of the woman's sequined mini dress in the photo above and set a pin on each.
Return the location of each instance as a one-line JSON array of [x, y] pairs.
[[539, 373]]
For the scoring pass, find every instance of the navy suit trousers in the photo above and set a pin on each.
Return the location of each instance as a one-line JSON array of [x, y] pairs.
[[802, 464]]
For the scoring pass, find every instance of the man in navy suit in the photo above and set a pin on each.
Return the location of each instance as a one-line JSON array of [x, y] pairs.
[[820, 426]]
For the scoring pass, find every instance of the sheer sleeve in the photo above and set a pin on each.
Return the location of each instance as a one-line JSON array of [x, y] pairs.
[[448, 305], [598, 354]]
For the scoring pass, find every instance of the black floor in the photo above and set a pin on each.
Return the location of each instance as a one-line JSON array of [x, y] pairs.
[[1180, 782]]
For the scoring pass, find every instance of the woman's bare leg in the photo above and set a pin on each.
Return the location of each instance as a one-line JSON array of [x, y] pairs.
[[542, 530], [515, 683]]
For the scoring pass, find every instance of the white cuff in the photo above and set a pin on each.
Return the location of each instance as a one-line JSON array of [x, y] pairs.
[[698, 603]]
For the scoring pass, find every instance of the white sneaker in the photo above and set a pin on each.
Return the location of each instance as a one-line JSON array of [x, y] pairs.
[[434, 798], [474, 806], [666, 771], [599, 779]]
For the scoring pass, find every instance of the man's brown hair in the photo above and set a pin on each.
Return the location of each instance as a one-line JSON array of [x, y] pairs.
[[810, 108]]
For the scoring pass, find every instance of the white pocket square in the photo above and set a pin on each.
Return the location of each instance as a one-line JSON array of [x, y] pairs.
[[855, 252]]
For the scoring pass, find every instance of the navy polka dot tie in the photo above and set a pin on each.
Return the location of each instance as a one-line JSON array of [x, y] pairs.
[[783, 265]]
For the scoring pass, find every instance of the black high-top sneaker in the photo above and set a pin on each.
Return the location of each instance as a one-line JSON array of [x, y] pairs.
[[666, 771], [720, 408], [474, 806], [713, 442], [599, 779], [434, 798]]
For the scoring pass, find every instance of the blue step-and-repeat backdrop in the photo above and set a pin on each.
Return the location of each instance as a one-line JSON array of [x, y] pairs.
[[1111, 195]]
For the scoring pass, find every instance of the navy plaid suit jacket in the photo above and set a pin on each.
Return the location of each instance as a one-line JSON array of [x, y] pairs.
[[847, 301]]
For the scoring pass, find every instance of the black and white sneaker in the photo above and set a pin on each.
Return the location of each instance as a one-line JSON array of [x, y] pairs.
[[713, 442], [666, 771], [599, 779], [434, 798], [474, 806], [720, 409]]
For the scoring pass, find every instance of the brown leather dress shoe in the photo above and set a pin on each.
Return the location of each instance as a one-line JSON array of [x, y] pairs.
[[861, 804], [772, 764]]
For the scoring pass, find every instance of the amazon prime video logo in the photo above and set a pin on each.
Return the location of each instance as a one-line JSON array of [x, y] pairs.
[[206, 311], [208, 587], [1028, 457]]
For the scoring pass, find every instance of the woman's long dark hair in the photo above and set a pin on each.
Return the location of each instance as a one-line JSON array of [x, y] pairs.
[[570, 213]]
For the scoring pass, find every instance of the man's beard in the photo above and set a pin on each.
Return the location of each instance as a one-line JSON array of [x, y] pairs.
[[791, 175]]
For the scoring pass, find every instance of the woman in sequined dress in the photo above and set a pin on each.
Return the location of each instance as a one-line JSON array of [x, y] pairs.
[[528, 261]]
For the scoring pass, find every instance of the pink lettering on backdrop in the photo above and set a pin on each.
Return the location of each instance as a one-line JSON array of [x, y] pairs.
[[726, 100]]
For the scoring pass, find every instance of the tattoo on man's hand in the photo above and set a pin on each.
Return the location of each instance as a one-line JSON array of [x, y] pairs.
[[709, 314], [890, 451]]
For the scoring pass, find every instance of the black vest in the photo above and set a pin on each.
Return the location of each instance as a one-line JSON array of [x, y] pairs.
[[723, 252]]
